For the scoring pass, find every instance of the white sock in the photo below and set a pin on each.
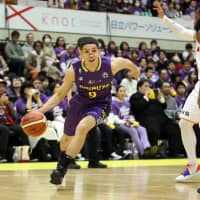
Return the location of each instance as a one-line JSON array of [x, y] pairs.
[[189, 141]]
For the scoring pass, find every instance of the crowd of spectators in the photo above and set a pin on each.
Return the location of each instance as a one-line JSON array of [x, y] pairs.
[[146, 118], [172, 8]]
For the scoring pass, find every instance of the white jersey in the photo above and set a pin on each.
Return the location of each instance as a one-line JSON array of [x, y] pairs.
[[198, 58]]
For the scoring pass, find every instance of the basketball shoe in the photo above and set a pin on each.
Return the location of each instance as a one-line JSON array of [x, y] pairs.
[[190, 171], [58, 174]]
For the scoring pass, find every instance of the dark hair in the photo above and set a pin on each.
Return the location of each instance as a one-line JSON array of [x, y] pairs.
[[148, 69], [141, 82], [118, 87], [57, 40], [141, 44], [154, 42], [27, 84], [15, 33], [53, 85], [180, 84], [87, 40], [46, 35], [102, 44], [188, 46], [160, 85], [122, 44], [114, 51], [37, 42]]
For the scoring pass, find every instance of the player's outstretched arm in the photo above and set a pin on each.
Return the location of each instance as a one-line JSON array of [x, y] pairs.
[[120, 63], [180, 30], [61, 93]]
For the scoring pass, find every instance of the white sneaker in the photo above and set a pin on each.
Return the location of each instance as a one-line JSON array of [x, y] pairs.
[[80, 157], [114, 156], [190, 171]]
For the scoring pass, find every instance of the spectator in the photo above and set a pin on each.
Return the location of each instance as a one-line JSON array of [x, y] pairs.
[[162, 63], [28, 46], [148, 108], [134, 56], [178, 8], [148, 76], [102, 46], [122, 117], [107, 146], [188, 50], [186, 70], [154, 50], [71, 4], [170, 11], [142, 50], [50, 56], [45, 86], [142, 65], [125, 49], [129, 83], [180, 94], [171, 129], [190, 82], [61, 53], [15, 55], [191, 9], [14, 90], [163, 76], [35, 61], [112, 49]]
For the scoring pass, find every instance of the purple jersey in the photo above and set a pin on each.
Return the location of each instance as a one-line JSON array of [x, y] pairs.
[[94, 86], [122, 109], [93, 95]]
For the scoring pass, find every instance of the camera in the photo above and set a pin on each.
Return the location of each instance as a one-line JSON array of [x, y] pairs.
[[35, 92]]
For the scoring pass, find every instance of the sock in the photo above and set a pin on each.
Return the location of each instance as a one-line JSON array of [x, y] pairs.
[[64, 160], [189, 141]]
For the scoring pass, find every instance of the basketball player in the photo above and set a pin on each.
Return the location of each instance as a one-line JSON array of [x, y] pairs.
[[192, 104], [92, 75]]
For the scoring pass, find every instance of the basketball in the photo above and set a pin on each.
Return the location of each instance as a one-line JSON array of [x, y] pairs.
[[34, 123]]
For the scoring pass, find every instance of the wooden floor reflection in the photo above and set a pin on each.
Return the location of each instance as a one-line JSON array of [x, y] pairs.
[[127, 183]]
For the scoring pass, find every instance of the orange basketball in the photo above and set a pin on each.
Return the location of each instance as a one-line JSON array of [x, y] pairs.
[[34, 123]]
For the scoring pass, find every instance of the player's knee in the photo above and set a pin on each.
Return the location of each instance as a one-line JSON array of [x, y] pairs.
[[82, 129]]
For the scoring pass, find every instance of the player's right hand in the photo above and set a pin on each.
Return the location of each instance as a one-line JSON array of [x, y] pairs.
[[159, 9]]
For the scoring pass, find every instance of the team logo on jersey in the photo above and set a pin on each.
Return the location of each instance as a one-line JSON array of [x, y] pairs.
[[91, 82], [104, 75], [94, 82], [80, 78]]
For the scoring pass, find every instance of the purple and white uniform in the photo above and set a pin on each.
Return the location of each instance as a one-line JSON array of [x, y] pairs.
[[93, 95]]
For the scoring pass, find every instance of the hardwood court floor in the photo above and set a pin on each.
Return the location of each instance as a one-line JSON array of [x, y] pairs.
[[140, 180]]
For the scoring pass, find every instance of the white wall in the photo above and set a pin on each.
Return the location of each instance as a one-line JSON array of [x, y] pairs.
[[73, 24]]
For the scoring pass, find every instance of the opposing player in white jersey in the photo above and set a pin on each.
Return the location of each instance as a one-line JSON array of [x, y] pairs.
[[192, 104]]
